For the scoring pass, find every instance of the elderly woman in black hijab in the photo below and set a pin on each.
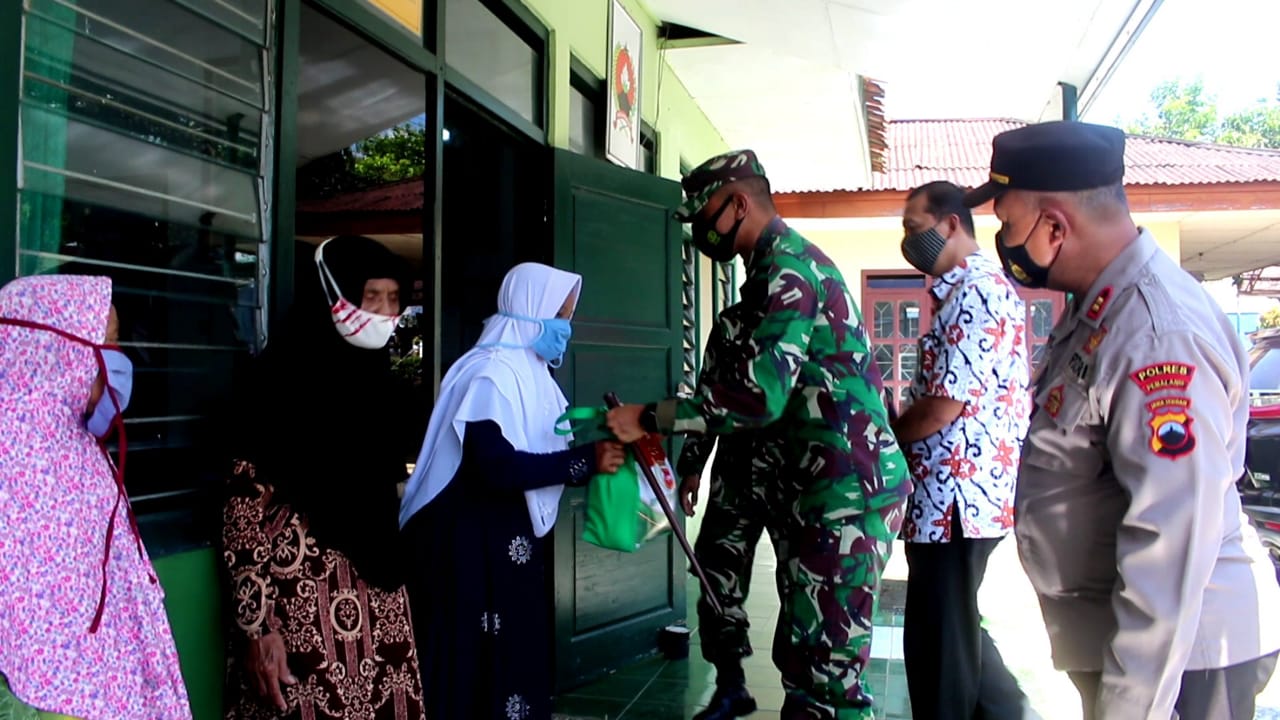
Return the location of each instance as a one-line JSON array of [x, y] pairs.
[[310, 535]]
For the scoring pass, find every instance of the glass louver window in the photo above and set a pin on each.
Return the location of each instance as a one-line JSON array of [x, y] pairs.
[[146, 156]]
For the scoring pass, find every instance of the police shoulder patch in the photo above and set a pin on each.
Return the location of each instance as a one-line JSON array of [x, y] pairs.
[[1170, 425], [1164, 376]]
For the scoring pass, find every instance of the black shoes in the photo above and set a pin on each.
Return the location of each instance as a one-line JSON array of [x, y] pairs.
[[728, 703]]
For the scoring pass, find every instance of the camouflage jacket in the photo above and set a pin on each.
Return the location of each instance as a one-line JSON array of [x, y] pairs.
[[801, 365], [697, 448]]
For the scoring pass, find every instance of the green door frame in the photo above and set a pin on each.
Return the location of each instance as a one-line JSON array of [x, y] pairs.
[[10, 87]]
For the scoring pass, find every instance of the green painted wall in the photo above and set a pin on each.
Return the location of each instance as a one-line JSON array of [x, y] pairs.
[[580, 28], [193, 598]]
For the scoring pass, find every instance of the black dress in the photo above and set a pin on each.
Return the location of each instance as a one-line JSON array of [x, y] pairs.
[[477, 582]]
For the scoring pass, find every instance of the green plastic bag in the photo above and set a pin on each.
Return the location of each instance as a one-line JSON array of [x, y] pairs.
[[622, 512]]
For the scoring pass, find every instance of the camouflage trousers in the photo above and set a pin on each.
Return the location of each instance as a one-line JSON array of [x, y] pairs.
[[830, 577], [737, 515], [830, 562]]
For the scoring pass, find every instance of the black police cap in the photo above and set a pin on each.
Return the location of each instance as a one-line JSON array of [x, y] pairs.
[[1060, 156]]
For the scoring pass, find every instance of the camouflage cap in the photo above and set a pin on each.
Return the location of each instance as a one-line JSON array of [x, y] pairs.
[[702, 182]]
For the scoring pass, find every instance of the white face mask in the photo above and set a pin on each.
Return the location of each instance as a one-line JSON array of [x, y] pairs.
[[361, 328]]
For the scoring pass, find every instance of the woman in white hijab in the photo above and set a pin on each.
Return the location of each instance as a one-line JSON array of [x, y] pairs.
[[484, 494]]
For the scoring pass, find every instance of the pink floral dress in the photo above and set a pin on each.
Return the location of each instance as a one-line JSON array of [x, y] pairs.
[[57, 495]]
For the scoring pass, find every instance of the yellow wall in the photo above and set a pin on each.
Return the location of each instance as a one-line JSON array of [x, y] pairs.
[[856, 250], [580, 28]]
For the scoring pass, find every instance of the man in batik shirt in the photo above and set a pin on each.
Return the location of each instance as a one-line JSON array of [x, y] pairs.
[[803, 369], [968, 412]]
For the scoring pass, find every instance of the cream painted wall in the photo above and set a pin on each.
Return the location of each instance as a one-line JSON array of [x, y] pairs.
[[875, 248], [580, 28]]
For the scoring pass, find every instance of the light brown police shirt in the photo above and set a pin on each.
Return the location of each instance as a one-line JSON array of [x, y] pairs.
[[1129, 524]]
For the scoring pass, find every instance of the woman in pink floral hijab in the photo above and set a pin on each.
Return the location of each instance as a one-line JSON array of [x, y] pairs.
[[83, 630]]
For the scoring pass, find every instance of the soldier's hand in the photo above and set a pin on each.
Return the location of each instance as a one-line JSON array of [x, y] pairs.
[[689, 493], [624, 423]]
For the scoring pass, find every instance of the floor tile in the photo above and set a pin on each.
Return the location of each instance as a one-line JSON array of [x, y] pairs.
[[660, 711], [768, 697], [678, 692], [585, 707], [886, 642], [645, 668], [617, 687]]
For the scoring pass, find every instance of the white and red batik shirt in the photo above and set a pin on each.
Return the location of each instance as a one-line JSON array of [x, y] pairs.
[[975, 353]]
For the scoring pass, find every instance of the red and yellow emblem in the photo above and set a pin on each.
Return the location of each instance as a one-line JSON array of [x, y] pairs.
[[1170, 424], [1164, 376], [1091, 345], [1099, 304], [625, 89], [1053, 402]]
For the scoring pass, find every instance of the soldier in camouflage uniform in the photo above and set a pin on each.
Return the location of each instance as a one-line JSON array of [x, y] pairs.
[[803, 369], [739, 509]]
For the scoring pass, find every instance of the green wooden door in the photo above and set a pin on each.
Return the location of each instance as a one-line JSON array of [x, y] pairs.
[[614, 227]]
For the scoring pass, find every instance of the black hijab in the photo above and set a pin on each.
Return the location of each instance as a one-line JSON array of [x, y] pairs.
[[334, 444]]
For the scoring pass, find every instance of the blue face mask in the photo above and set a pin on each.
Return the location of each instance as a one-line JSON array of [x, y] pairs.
[[119, 377], [552, 342]]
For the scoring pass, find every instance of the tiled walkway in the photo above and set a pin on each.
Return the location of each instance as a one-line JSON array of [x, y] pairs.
[[678, 689], [672, 690]]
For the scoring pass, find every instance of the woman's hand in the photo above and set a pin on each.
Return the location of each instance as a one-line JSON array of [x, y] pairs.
[[266, 665], [609, 456]]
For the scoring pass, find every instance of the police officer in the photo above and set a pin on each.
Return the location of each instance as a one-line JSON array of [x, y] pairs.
[[743, 478], [1155, 592], [803, 369]]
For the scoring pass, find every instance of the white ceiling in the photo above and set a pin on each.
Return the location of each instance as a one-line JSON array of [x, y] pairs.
[[1222, 244], [348, 88], [790, 86], [804, 120]]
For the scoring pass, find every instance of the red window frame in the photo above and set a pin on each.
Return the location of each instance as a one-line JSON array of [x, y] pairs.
[[896, 354]]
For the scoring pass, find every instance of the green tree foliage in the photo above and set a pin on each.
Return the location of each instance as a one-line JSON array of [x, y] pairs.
[[1185, 111], [396, 155], [391, 156]]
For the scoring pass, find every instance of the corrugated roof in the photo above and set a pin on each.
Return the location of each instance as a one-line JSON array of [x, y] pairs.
[[921, 151]]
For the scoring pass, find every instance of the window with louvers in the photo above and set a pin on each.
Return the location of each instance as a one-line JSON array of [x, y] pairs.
[[689, 316], [146, 130], [723, 276]]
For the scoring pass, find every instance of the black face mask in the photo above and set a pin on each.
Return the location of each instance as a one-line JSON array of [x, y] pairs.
[[1019, 263], [923, 249], [714, 245]]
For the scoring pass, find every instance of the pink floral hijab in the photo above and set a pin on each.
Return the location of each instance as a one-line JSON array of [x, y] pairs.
[[69, 565]]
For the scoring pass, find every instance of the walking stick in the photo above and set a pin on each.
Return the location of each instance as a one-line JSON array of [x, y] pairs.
[[611, 401]]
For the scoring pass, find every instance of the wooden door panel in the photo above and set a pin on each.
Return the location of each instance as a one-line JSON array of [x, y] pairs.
[[614, 227]]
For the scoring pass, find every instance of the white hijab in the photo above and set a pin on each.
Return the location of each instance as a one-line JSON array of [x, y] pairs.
[[502, 380]]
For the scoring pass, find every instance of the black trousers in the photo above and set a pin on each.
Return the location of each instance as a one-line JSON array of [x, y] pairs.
[[954, 671], [1228, 693]]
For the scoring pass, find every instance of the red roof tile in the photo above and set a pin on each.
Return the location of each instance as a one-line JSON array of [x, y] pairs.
[[400, 196], [921, 151]]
